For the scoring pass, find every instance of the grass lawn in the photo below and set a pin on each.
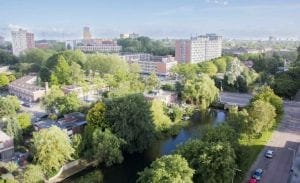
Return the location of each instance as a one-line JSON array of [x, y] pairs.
[[252, 148]]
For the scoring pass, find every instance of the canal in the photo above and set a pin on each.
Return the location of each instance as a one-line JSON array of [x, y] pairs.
[[133, 163]]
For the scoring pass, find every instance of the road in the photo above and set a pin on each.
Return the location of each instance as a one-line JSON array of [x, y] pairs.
[[285, 138], [240, 99]]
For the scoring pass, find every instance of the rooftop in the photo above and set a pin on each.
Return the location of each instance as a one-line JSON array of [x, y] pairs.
[[4, 137], [27, 83]]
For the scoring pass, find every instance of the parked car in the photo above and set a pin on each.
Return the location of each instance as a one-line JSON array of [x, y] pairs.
[[257, 174], [269, 154], [252, 180]]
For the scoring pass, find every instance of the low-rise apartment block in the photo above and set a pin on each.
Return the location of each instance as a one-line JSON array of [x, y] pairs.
[[26, 89], [6, 147], [94, 45], [198, 49], [161, 65]]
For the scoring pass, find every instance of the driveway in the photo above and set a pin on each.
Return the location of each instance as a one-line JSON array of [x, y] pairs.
[[284, 141]]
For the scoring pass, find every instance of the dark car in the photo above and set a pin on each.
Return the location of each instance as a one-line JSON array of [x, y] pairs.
[[257, 174]]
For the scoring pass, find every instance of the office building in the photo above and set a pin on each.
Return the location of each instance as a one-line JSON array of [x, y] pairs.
[[21, 41], [161, 65], [6, 147], [26, 89], [198, 49], [86, 33]]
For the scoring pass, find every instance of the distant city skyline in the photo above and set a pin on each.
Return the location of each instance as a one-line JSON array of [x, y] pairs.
[[65, 19]]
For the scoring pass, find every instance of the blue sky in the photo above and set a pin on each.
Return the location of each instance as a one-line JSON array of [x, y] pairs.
[[64, 19]]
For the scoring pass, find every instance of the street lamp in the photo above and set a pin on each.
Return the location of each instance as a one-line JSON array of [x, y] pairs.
[[294, 154], [234, 170]]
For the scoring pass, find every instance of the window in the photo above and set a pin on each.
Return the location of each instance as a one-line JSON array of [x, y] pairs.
[[1, 145]]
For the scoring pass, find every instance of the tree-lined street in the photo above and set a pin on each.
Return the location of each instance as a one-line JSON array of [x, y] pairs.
[[284, 141]]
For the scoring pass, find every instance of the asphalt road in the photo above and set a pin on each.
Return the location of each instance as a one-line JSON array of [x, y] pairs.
[[277, 170], [240, 99]]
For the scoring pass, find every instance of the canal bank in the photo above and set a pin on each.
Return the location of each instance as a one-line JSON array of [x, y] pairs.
[[134, 163]]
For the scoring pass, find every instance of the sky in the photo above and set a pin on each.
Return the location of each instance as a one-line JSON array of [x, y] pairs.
[[65, 19]]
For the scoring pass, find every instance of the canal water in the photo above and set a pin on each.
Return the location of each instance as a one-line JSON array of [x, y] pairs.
[[133, 163]]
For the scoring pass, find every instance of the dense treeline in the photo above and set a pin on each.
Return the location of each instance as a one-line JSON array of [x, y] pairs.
[[284, 83]]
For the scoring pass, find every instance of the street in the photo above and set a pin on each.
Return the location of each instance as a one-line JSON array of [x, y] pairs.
[[240, 99], [284, 142]]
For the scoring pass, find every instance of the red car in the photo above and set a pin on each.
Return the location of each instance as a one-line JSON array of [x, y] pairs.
[[252, 180]]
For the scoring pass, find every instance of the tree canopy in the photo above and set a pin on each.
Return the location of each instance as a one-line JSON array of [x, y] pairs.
[[212, 161], [52, 148], [130, 118], [167, 169]]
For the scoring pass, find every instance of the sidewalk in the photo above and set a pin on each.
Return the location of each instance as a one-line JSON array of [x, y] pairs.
[[295, 176]]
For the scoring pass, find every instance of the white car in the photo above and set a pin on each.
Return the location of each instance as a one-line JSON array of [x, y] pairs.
[[269, 154]]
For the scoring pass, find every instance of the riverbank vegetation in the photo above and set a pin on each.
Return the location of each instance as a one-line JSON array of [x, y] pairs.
[[234, 145]]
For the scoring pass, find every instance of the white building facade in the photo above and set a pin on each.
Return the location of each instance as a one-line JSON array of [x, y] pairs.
[[198, 49], [21, 41]]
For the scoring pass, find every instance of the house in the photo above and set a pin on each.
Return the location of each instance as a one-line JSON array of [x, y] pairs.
[[72, 123], [6, 147], [25, 88], [167, 97]]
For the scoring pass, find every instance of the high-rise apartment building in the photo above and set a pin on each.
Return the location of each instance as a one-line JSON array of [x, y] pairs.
[[198, 49], [21, 41], [86, 33]]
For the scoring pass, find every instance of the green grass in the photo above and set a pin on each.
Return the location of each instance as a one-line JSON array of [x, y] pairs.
[[251, 148]]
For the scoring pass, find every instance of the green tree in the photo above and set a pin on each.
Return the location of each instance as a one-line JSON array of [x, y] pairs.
[[96, 116], [266, 94], [51, 100], [13, 129], [175, 113], [212, 162], [33, 174], [62, 72], [77, 145], [69, 103], [201, 91], [221, 64], [57, 102], [152, 82], [161, 121], [95, 176], [24, 120], [262, 116], [107, 147], [167, 169], [208, 68], [52, 148], [4, 81], [129, 118], [9, 106]]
